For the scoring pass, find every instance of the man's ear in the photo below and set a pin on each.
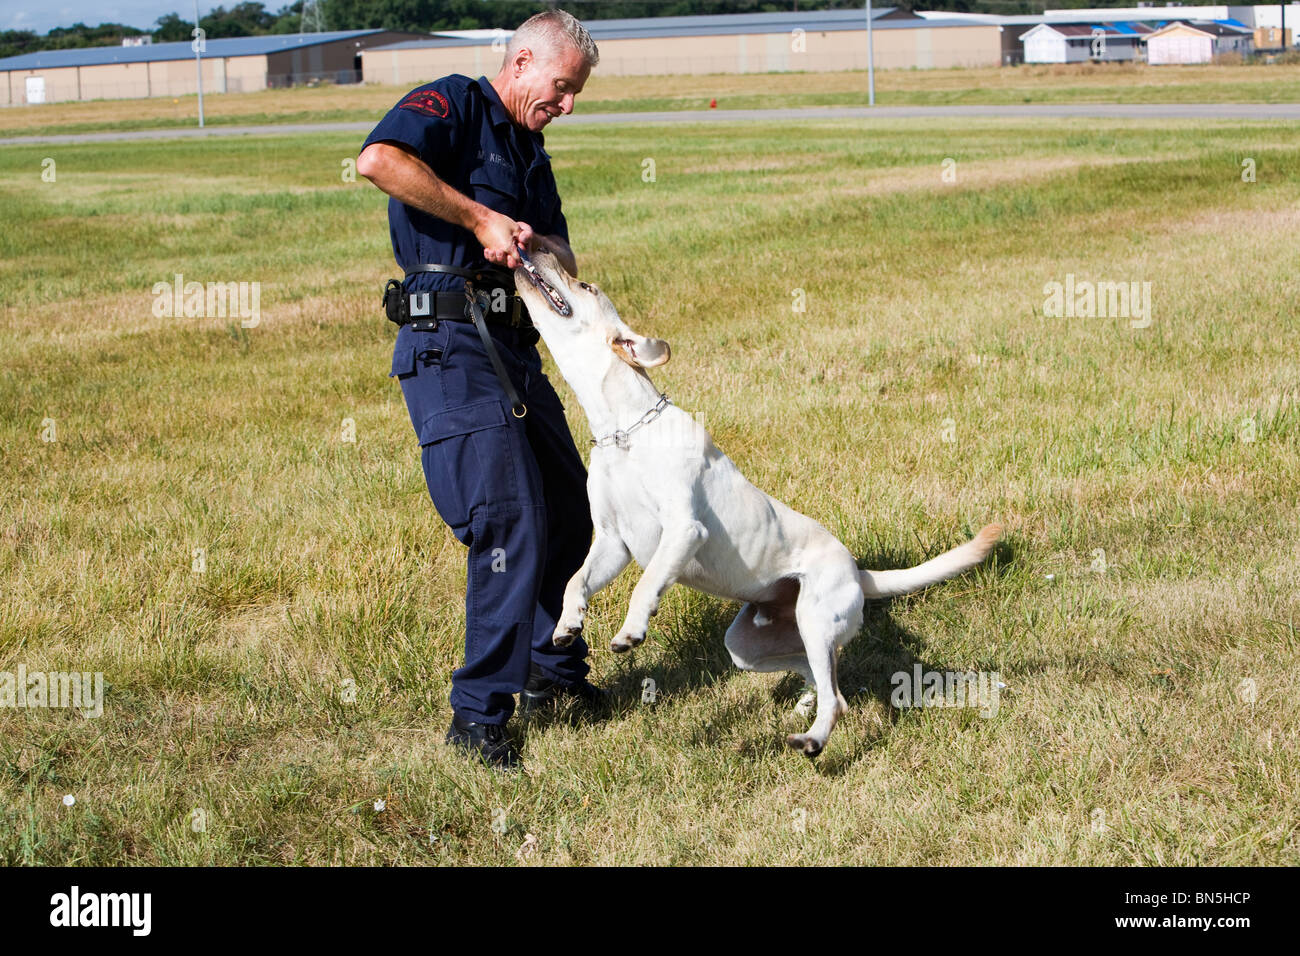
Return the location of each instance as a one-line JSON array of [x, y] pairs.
[[641, 352]]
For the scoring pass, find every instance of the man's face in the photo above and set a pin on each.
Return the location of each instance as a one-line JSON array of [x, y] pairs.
[[545, 83]]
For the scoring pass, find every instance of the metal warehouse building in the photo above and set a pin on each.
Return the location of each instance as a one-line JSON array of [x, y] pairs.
[[236, 65], [737, 43]]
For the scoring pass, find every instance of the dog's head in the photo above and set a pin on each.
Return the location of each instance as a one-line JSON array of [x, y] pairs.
[[575, 316]]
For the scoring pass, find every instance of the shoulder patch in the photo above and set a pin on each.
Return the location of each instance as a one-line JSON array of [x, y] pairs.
[[427, 102]]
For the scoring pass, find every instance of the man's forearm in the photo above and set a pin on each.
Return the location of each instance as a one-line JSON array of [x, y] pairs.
[[409, 180]]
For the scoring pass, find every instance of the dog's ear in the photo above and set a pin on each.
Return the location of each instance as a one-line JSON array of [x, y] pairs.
[[641, 352]]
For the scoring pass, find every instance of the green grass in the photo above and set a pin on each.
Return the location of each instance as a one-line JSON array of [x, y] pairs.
[[1043, 84], [1260, 92], [1172, 449]]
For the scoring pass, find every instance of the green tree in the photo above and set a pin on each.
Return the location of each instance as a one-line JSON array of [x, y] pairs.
[[288, 19], [170, 28], [18, 42]]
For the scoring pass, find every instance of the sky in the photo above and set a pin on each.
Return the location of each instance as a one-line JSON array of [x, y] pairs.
[[41, 17]]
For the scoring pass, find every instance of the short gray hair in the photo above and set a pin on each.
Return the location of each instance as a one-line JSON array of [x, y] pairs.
[[553, 29]]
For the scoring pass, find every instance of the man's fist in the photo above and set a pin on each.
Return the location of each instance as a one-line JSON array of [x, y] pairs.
[[500, 236]]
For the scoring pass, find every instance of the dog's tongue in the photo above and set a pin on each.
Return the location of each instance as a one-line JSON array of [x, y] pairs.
[[557, 302]]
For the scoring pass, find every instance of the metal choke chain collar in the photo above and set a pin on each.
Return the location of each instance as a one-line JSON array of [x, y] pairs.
[[619, 438]]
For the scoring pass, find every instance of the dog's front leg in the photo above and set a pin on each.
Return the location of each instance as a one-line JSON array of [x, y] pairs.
[[677, 545], [608, 556]]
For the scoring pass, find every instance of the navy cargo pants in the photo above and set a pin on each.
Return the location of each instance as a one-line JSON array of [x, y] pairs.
[[513, 490]]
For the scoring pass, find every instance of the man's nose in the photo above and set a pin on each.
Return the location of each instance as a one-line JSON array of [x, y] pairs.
[[566, 103]]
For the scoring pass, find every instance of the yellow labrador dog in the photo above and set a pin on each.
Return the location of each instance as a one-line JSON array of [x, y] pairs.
[[662, 493]]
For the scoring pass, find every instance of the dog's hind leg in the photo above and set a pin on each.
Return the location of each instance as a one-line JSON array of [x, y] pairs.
[[606, 559], [677, 545], [829, 614]]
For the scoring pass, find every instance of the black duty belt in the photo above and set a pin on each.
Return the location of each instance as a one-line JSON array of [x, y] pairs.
[[488, 299], [424, 310]]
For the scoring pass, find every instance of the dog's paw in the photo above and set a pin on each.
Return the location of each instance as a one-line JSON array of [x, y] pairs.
[[625, 641], [809, 745], [564, 636]]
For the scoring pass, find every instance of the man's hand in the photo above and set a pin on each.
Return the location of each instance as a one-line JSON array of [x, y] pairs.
[[500, 235]]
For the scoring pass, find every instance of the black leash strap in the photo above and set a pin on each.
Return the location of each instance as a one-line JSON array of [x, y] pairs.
[[517, 408]]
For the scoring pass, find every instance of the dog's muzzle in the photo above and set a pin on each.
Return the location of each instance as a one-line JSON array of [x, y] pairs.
[[557, 302]]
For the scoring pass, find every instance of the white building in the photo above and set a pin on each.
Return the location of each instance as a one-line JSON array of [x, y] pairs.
[[1261, 15], [1079, 42], [1198, 42]]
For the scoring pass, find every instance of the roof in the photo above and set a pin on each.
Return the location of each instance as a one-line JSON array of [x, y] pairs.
[[1216, 29], [1116, 15], [853, 18], [438, 40], [1076, 30], [1156, 10], [1086, 30], [231, 46], [812, 21], [704, 25]]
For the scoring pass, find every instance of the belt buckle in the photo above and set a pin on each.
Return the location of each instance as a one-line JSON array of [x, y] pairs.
[[422, 311], [423, 305]]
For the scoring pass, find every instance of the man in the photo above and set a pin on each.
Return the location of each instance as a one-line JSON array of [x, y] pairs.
[[470, 183]]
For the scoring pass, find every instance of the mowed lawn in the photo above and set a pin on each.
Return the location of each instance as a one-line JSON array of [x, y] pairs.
[[1142, 611], [1033, 83]]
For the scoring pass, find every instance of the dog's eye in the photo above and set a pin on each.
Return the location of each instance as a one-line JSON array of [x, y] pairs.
[[583, 285]]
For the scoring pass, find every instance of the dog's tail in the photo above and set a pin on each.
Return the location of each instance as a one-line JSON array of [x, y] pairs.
[[886, 584]]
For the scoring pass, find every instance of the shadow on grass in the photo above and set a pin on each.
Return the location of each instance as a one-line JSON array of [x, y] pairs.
[[692, 658]]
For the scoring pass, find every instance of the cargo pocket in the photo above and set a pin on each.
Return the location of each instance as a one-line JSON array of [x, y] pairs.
[[465, 420], [470, 462], [418, 369], [403, 364]]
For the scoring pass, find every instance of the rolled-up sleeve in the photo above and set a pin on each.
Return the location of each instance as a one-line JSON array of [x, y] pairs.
[[427, 120]]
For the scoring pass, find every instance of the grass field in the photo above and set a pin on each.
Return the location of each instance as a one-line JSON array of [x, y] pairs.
[[1062, 83], [1142, 612]]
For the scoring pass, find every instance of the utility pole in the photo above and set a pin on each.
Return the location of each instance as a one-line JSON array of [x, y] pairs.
[[313, 17], [871, 64], [198, 45]]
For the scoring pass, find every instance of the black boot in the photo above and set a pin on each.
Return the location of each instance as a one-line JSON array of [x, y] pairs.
[[541, 690], [488, 741]]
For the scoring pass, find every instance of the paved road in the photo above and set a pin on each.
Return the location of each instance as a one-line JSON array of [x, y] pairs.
[[1215, 111]]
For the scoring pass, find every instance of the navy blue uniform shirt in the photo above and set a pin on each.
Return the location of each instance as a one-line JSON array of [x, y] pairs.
[[460, 128]]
